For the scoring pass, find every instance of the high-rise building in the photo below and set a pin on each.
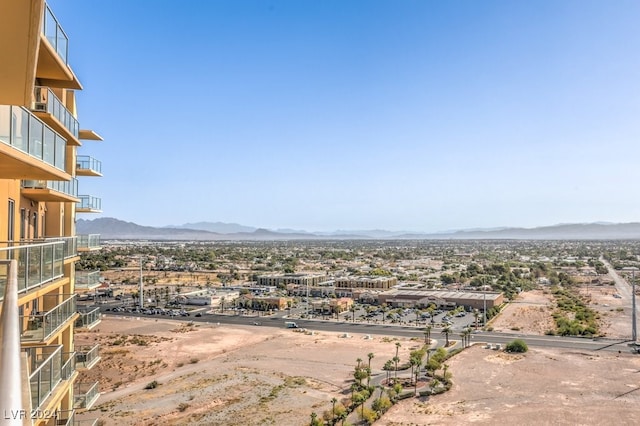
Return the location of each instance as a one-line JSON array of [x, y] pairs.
[[40, 136]]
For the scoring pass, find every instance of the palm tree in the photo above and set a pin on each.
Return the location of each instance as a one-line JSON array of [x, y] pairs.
[[446, 332], [370, 355], [353, 312], [222, 304], [314, 416], [476, 315], [395, 376], [413, 361], [445, 367], [333, 408], [427, 335], [387, 367], [359, 360]]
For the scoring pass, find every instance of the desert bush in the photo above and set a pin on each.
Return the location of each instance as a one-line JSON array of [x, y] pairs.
[[517, 345], [152, 385]]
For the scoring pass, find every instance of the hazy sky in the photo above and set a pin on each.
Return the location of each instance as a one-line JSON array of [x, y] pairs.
[[336, 114]]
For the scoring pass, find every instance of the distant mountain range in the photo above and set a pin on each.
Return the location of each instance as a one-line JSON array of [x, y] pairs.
[[110, 228]]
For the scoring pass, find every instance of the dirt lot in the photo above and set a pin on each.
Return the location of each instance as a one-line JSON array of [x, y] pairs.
[[212, 375], [232, 375]]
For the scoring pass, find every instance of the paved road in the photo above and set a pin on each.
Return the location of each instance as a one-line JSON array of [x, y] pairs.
[[586, 344]]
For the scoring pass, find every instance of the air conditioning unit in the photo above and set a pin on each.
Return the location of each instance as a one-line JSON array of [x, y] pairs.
[[40, 106]]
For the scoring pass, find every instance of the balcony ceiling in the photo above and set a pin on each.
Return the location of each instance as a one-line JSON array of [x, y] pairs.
[[19, 165], [89, 135], [46, 194], [52, 71]]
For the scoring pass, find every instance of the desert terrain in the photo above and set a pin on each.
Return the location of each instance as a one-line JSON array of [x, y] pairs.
[[209, 374]]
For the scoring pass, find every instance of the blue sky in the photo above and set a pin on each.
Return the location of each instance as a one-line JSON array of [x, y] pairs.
[[333, 114]]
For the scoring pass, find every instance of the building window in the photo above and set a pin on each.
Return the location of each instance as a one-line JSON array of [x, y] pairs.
[[23, 223], [11, 219], [35, 225]]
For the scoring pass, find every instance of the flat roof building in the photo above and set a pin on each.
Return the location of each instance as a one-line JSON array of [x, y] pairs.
[[468, 299]]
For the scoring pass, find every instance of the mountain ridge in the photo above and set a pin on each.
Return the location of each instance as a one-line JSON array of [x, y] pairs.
[[112, 228]]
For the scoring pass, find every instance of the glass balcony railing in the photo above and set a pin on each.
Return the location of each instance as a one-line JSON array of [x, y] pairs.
[[88, 319], [38, 263], [85, 162], [85, 395], [87, 357], [87, 280], [45, 372], [65, 418], [89, 203], [88, 242], [55, 34], [68, 365], [26, 132], [70, 247], [41, 326], [47, 101], [69, 188]]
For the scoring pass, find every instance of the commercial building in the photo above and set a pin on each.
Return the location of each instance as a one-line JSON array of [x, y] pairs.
[[442, 299], [371, 283], [39, 198], [281, 280]]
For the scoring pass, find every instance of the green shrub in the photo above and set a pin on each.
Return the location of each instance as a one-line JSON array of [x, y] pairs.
[[152, 385], [517, 345]]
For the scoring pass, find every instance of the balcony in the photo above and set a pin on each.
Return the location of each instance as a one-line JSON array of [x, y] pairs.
[[41, 327], [87, 357], [88, 242], [69, 248], [38, 263], [50, 109], [85, 395], [53, 67], [45, 372], [88, 166], [65, 418], [86, 280], [51, 190], [29, 149], [89, 204], [68, 365], [88, 319]]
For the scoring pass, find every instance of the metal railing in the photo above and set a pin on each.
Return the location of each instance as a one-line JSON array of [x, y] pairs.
[[45, 377], [37, 263], [40, 327], [87, 279], [24, 131], [89, 202], [88, 319], [85, 394], [89, 241], [65, 417], [87, 358], [86, 162], [47, 101], [69, 365], [55, 34], [70, 247], [10, 358], [66, 187], [86, 422]]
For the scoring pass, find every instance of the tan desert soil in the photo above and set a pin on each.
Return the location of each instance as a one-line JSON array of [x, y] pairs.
[[541, 387], [233, 375]]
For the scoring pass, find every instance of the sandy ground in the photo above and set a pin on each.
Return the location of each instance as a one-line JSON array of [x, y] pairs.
[[233, 375], [210, 375]]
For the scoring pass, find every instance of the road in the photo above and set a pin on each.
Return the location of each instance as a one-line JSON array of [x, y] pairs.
[[576, 343], [623, 288]]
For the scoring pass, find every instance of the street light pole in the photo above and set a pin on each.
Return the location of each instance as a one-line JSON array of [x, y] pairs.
[[634, 334], [141, 295]]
